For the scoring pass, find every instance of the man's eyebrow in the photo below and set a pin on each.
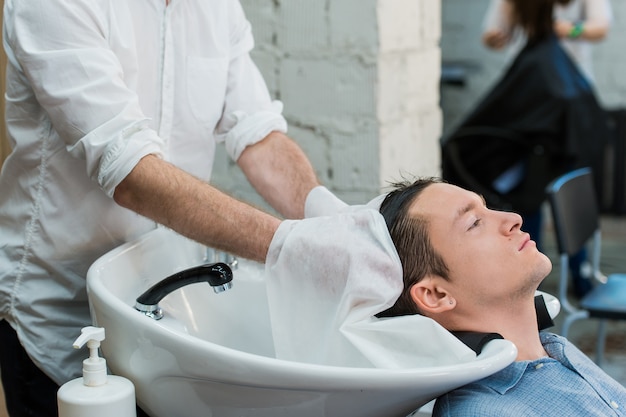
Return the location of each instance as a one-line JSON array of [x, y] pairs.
[[469, 207], [463, 210]]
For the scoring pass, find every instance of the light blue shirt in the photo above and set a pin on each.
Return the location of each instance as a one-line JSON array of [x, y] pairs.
[[567, 383]]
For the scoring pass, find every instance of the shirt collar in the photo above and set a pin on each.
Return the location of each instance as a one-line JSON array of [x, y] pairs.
[[509, 377]]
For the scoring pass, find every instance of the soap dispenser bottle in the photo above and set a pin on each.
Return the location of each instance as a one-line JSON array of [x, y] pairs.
[[96, 394]]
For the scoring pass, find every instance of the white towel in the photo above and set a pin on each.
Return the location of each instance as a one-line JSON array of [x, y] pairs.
[[327, 277]]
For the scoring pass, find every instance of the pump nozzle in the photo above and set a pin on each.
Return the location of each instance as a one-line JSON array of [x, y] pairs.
[[94, 367]]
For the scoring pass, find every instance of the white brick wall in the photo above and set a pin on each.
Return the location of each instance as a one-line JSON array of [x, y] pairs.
[[360, 83]]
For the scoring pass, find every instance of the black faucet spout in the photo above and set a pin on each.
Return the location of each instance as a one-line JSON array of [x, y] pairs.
[[218, 275]]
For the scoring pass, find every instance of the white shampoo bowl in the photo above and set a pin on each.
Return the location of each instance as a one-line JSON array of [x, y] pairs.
[[213, 355]]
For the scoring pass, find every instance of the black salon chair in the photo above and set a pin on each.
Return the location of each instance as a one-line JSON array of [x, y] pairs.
[[576, 217]]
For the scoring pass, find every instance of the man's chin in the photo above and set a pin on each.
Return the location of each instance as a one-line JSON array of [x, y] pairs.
[[548, 263], [542, 268]]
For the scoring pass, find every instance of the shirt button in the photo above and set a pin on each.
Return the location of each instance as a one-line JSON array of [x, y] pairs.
[[614, 405], [539, 366]]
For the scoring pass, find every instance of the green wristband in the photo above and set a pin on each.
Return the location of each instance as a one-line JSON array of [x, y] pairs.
[[576, 31]]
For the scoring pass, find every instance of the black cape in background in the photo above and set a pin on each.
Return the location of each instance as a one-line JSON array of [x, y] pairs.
[[542, 116]]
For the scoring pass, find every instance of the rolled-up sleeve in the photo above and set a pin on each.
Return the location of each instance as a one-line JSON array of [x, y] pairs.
[[249, 113], [243, 129]]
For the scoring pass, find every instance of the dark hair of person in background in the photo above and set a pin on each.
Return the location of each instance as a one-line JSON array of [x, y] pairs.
[[536, 16]]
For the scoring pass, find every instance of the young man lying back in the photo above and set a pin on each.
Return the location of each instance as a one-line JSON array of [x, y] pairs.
[[473, 269]]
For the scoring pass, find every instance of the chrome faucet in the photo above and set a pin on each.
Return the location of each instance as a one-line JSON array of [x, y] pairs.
[[219, 275], [213, 255]]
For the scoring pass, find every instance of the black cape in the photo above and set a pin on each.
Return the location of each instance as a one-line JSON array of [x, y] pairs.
[[539, 120]]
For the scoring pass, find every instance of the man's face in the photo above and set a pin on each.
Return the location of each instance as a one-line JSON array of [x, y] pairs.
[[488, 256]]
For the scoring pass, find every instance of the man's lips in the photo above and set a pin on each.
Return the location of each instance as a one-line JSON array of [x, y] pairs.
[[525, 241]]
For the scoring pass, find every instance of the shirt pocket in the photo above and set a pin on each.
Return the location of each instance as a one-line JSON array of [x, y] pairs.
[[207, 80]]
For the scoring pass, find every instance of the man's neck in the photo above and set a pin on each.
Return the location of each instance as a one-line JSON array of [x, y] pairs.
[[520, 327], [514, 321]]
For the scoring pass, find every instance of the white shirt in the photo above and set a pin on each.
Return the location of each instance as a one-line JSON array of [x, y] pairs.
[[575, 11], [92, 87]]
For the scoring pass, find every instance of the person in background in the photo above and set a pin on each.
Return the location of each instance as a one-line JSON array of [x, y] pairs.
[[578, 24], [475, 272], [114, 110]]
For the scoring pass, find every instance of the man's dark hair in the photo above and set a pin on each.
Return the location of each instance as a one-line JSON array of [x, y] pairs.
[[409, 234]]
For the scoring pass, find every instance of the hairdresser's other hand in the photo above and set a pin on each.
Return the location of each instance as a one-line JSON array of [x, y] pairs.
[[322, 202]]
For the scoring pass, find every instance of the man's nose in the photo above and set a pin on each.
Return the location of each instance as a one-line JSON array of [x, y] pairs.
[[511, 222]]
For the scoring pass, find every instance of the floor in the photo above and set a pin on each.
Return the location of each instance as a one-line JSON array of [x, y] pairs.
[[582, 332]]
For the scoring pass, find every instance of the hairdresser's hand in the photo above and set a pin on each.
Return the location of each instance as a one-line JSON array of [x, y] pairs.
[[322, 202], [563, 28], [496, 38]]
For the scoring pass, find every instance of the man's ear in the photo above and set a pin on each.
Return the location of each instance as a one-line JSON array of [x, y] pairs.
[[431, 295]]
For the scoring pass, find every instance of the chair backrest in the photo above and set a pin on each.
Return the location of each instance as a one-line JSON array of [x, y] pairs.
[[476, 157], [574, 209]]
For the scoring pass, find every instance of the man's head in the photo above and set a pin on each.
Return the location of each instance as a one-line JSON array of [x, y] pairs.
[[455, 252]]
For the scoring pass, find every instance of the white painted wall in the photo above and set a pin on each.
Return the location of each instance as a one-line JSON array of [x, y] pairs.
[[360, 83]]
